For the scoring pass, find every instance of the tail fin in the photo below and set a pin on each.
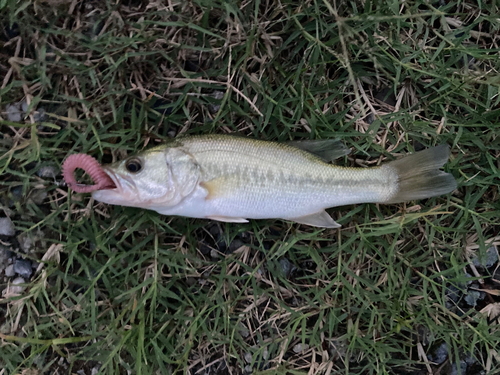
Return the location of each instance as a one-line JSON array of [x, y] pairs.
[[419, 176]]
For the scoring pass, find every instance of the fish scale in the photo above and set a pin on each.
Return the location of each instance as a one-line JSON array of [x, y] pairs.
[[260, 180]]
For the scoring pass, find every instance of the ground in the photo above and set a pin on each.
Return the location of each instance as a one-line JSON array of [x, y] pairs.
[[89, 288]]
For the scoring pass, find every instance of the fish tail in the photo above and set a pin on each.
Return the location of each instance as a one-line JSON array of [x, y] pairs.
[[419, 177]]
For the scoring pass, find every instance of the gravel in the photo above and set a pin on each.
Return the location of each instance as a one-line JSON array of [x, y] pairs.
[[15, 288], [9, 271], [217, 95], [48, 171], [26, 242], [248, 357], [23, 268], [440, 355], [14, 112], [299, 348], [7, 227], [490, 259], [244, 332], [286, 267]]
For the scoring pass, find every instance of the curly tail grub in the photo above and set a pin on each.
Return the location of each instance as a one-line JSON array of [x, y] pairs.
[[92, 167]]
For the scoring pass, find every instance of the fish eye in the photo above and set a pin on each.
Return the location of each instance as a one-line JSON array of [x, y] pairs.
[[133, 165]]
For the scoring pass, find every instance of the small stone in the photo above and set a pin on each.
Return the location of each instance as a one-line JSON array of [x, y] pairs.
[[248, 369], [248, 357], [490, 259], [26, 242], [23, 268], [286, 267], [299, 348], [7, 227], [15, 288], [453, 294], [214, 254], [40, 115], [235, 245], [24, 106], [265, 354], [470, 360], [217, 95], [244, 332], [472, 297], [454, 369], [9, 271], [204, 248], [14, 112], [370, 118], [469, 276], [440, 354], [48, 171]]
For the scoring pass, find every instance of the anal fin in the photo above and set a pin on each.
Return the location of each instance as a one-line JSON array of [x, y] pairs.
[[228, 219], [319, 219]]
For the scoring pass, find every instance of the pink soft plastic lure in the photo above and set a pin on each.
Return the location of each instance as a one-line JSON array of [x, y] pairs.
[[92, 167]]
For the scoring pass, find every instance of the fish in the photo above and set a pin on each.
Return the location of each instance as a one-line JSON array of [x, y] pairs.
[[233, 179]]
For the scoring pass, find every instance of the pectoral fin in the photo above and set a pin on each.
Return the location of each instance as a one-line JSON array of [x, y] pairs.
[[320, 219], [228, 219], [326, 149], [215, 187]]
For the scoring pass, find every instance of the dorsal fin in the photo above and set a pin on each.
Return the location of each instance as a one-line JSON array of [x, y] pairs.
[[326, 149]]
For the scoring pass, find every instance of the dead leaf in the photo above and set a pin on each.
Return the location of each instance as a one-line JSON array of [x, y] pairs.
[[492, 310]]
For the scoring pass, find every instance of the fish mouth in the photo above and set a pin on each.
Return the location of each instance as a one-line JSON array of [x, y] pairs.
[[123, 186], [123, 191], [116, 181]]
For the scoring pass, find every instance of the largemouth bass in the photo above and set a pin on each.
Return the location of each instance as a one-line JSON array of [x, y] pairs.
[[233, 179]]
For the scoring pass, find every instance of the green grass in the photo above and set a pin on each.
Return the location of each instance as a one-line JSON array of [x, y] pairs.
[[131, 290]]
